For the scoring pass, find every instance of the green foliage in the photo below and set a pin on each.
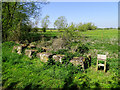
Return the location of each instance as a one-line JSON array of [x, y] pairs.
[[20, 72], [82, 81], [45, 23], [69, 35], [91, 26], [40, 49], [85, 27], [60, 23], [72, 27], [82, 27], [15, 16], [35, 29], [60, 51], [67, 58], [44, 29], [82, 48]]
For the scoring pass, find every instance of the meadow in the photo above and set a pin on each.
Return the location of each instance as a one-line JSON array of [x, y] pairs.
[[21, 72]]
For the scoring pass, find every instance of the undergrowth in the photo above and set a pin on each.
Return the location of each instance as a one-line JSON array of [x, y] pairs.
[[20, 72]]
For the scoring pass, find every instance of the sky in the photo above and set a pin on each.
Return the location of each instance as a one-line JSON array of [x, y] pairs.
[[102, 14]]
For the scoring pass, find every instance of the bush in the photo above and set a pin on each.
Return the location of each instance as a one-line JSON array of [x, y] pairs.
[[44, 29], [35, 29], [60, 51], [87, 26], [82, 48]]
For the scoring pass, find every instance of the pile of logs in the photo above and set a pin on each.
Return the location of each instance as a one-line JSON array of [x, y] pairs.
[[44, 56]]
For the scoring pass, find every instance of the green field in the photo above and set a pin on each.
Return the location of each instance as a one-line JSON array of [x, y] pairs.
[[21, 72], [106, 40]]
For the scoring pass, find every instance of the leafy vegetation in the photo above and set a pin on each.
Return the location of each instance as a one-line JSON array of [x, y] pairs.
[[60, 23], [20, 72], [45, 23], [87, 26], [15, 19]]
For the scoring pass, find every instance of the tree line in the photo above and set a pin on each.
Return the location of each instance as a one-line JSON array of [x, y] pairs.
[[16, 23], [61, 24]]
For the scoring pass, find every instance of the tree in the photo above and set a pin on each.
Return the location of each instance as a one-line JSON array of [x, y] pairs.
[[45, 23], [72, 27], [82, 27], [35, 29], [17, 14], [60, 23], [90, 26], [86, 26]]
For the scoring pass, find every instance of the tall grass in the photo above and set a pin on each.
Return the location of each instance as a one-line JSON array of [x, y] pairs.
[[20, 72]]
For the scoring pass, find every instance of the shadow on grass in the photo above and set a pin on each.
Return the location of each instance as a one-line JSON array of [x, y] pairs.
[[31, 37], [102, 68], [69, 84]]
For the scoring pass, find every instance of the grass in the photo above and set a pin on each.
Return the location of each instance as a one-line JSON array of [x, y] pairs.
[[103, 42], [102, 34], [21, 72], [99, 79]]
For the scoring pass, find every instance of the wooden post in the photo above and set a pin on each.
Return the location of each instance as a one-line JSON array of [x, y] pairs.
[[83, 66], [105, 66], [97, 66]]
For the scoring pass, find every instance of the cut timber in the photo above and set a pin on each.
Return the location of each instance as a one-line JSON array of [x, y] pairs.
[[44, 57], [18, 49], [30, 52], [45, 49], [24, 45], [31, 45], [78, 61], [58, 57]]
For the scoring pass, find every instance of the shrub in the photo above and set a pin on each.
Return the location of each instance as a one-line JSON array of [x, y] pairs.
[[60, 51], [67, 58], [87, 26], [35, 29], [44, 29], [82, 48]]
